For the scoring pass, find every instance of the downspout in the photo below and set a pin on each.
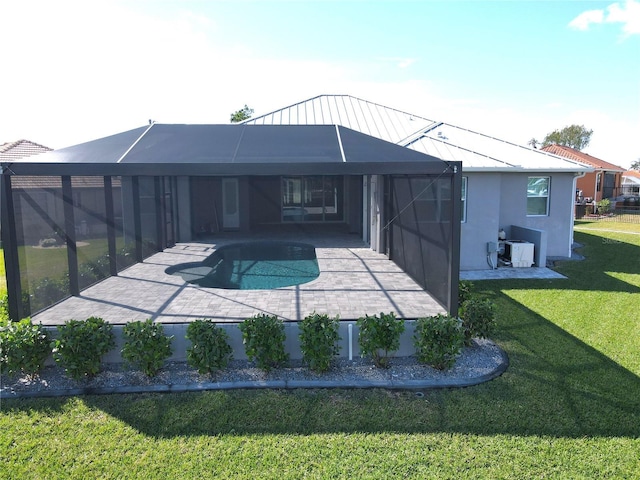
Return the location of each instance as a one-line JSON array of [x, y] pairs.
[[573, 211]]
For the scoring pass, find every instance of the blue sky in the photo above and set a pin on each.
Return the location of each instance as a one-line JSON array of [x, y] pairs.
[[76, 70]]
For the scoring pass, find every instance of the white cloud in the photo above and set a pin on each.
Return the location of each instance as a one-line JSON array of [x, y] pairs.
[[585, 19], [94, 69], [628, 14]]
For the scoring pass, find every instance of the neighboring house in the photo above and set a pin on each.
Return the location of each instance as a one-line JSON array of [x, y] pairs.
[[604, 181], [20, 149], [526, 192], [34, 193], [631, 183], [179, 183]]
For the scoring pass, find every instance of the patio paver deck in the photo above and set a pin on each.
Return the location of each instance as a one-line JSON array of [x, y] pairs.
[[353, 281]]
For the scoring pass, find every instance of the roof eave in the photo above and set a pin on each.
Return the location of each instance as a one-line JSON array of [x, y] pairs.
[[524, 170]]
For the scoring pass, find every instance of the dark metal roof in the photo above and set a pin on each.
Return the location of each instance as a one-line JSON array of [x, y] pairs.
[[161, 149]]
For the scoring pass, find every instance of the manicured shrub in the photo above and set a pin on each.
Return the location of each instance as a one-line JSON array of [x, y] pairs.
[[81, 344], [438, 339], [47, 291], [603, 206], [146, 346], [465, 290], [478, 318], [210, 349], [50, 242], [319, 341], [379, 336], [263, 337], [4, 310], [24, 347]]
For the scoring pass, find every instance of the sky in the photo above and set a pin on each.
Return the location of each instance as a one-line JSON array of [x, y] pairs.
[[75, 71]]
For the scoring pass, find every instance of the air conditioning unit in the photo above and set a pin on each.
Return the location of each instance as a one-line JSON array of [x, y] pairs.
[[519, 253]]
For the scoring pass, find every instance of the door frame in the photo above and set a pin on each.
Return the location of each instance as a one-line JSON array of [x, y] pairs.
[[230, 203]]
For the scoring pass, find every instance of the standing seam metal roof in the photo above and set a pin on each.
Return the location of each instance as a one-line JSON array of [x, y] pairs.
[[162, 149], [476, 151]]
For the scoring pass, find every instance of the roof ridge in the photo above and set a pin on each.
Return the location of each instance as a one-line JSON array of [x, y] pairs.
[[5, 147], [329, 95]]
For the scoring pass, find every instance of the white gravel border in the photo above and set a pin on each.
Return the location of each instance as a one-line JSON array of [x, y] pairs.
[[478, 363]]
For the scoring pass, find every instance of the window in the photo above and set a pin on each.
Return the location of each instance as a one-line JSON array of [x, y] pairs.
[[538, 196], [463, 201], [312, 199]]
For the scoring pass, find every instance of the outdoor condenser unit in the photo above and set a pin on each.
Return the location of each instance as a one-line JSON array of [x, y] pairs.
[[519, 253]]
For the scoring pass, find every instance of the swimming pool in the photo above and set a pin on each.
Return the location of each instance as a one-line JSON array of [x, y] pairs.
[[263, 265]]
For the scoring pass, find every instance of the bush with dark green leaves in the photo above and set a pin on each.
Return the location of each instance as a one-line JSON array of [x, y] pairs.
[[81, 344], [146, 346], [4, 310], [319, 340], [210, 350], [263, 337], [379, 336], [465, 290], [47, 291], [478, 318], [438, 340], [24, 347]]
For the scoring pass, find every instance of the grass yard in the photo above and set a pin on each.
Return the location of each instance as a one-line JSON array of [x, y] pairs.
[[52, 262], [567, 407]]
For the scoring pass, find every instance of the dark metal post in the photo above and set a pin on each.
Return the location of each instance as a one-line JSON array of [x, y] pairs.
[[70, 235], [454, 246], [137, 220], [111, 230], [158, 194], [10, 247]]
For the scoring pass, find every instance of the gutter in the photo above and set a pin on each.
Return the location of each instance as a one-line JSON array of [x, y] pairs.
[[519, 168], [573, 212]]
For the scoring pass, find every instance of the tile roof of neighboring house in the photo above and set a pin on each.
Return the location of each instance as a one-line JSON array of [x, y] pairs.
[[25, 148], [582, 157], [476, 151], [20, 149], [631, 176], [44, 182]]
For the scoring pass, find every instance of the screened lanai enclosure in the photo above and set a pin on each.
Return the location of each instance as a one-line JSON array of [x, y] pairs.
[[75, 216]]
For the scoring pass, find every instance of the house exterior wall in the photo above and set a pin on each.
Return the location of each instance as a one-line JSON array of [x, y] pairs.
[[558, 223], [265, 198], [499, 200], [483, 215]]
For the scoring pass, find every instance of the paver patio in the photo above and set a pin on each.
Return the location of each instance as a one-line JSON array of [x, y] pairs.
[[353, 281]]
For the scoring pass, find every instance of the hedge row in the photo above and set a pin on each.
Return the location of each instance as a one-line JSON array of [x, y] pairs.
[[80, 345]]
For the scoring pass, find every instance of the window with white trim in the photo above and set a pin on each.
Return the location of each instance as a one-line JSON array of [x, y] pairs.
[[538, 196]]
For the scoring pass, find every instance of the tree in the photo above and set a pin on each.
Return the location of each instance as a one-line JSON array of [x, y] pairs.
[[635, 165], [574, 136], [241, 115], [533, 143]]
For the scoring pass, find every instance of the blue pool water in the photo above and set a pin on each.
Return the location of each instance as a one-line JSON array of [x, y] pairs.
[[252, 266]]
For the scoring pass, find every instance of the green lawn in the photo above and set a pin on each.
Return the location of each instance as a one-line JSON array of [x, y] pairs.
[[53, 263], [567, 407]]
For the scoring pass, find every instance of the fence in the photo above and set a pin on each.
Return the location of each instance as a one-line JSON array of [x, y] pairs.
[[620, 213]]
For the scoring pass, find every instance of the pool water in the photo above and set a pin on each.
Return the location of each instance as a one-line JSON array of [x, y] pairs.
[[252, 266]]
